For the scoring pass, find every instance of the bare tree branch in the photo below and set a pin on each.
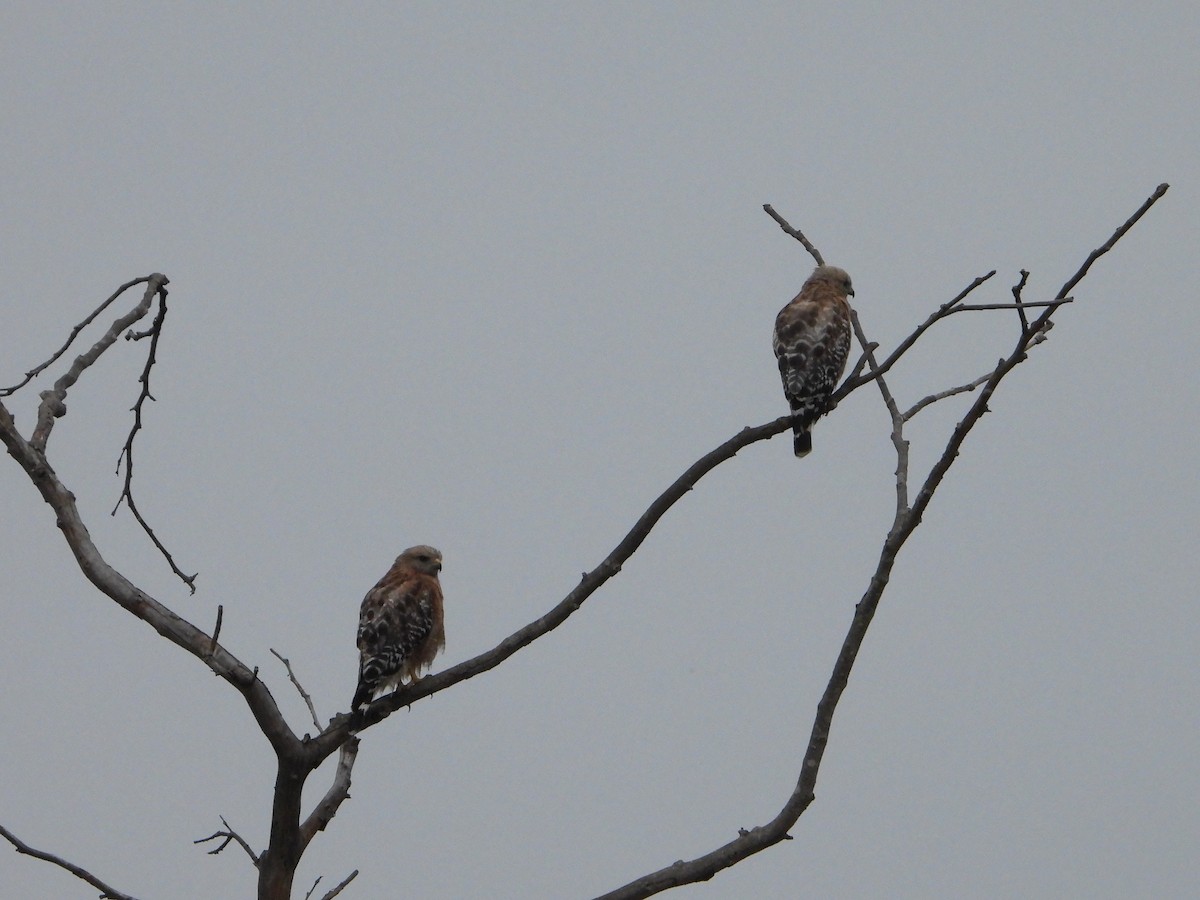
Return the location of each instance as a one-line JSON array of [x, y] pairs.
[[53, 405], [861, 361], [852, 384], [337, 890], [332, 737], [136, 601], [37, 370], [54, 401], [338, 791], [889, 401], [126, 457], [312, 710], [212, 648], [1112, 241], [906, 520], [106, 891], [1016, 292], [942, 395], [228, 835], [1019, 306], [788, 229]]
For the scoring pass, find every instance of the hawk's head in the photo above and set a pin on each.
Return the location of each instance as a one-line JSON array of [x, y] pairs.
[[840, 278], [423, 558]]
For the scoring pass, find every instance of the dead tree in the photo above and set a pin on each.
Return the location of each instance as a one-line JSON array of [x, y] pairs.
[[292, 828]]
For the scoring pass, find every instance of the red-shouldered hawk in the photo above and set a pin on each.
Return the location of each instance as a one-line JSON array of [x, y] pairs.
[[812, 341], [400, 624]]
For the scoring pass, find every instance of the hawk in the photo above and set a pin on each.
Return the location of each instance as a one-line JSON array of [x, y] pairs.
[[400, 624], [812, 341]]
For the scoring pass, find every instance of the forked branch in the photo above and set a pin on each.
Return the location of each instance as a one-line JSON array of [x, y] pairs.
[[54, 401], [37, 370], [905, 521], [227, 837]]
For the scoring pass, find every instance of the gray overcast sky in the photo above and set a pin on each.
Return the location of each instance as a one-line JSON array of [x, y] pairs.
[[489, 277]]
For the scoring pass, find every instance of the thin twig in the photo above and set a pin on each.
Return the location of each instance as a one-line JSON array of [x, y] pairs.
[[1020, 307], [337, 890], [226, 836], [788, 229], [313, 888], [862, 360], [126, 456], [942, 395], [303, 693], [1016, 292], [107, 892], [37, 370], [1111, 242], [889, 401], [212, 648]]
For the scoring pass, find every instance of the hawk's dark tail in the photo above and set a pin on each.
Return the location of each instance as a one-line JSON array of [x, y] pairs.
[[362, 695], [368, 680], [802, 440], [803, 417]]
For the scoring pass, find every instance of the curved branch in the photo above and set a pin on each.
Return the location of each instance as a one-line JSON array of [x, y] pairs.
[[942, 395], [342, 726], [126, 457], [788, 229], [227, 836], [136, 601], [106, 892]]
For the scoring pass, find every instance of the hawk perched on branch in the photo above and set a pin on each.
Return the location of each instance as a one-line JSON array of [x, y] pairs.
[[400, 624], [812, 341]]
